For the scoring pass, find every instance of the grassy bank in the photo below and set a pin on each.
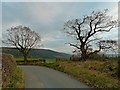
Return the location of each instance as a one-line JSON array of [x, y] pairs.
[[12, 76], [17, 79], [93, 73]]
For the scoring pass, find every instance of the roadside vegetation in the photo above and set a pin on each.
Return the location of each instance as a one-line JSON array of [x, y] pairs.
[[16, 80], [99, 74], [12, 76]]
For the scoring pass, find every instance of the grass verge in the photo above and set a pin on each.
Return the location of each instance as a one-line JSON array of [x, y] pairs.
[[93, 73], [17, 79]]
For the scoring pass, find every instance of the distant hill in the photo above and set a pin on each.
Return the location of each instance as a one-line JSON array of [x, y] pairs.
[[36, 53]]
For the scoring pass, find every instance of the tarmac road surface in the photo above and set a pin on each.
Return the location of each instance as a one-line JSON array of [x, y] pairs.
[[42, 77]]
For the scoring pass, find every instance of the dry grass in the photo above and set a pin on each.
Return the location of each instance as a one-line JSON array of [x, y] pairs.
[[94, 73]]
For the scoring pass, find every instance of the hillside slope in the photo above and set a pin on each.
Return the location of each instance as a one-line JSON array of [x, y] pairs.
[[36, 53]]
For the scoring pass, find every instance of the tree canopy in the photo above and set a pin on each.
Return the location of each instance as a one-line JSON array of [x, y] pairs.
[[23, 38]]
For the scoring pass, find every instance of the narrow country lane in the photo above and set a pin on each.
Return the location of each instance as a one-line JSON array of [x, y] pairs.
[[42, 77]]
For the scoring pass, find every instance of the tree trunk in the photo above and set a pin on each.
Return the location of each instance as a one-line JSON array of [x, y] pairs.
[[25, 58], [83, 55]]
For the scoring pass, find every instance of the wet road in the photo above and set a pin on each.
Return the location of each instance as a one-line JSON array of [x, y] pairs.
[[42, 77]]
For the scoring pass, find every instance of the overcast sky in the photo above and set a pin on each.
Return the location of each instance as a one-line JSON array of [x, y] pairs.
[[60, 0], [47, 18]]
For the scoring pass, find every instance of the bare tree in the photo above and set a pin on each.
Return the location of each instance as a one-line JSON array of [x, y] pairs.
[[85, 31], [23, 38], [109, 45]]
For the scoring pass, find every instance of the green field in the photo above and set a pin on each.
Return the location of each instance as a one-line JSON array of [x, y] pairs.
[[21, 59], [30, 59]]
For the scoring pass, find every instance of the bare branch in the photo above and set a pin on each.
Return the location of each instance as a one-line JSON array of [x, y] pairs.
[[84, 30]]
